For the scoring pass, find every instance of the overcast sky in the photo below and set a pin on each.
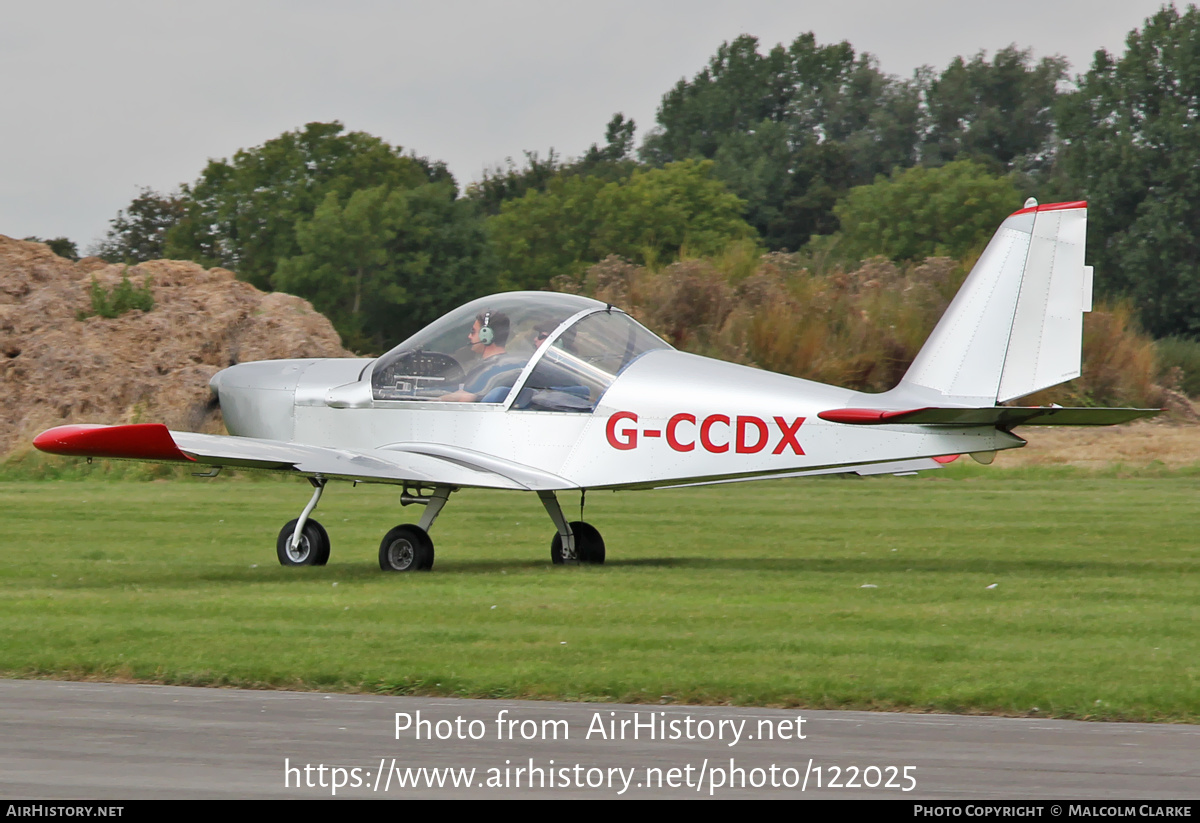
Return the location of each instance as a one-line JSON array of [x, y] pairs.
[[100, 98]]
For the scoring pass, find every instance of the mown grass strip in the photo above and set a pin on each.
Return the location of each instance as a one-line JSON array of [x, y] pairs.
[[1045, 592]]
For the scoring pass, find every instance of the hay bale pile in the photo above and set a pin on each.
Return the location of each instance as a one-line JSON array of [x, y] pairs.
[[147, 367]]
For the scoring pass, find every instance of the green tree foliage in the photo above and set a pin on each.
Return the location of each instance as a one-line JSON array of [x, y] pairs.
[[613, 161], [344, 257], [510, 182], [383, 262], [657, 214], [649, 217], [790, 130], [139, 232], [242, 213], [1131, 136], [61, 246], [999, 113], [546, 233], [949, 211], [793, 129]]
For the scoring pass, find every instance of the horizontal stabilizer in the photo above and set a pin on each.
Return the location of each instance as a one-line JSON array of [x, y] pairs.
[[1004, 417]]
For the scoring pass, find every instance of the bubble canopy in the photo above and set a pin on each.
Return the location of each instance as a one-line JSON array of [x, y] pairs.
[[539, 351]]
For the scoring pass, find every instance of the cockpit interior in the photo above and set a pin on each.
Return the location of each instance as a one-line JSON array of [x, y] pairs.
[[544, 352]]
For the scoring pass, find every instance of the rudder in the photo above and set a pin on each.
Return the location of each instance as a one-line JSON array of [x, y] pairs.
[[1016, 325]]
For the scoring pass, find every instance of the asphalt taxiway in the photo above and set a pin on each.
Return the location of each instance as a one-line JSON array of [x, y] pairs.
[[63, 740]]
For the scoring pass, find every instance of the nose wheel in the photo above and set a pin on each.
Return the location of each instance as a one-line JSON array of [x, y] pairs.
[[304, 541], [312, 548]]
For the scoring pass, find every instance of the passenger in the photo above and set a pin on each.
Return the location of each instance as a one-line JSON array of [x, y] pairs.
[[542, 332], [497, 371]]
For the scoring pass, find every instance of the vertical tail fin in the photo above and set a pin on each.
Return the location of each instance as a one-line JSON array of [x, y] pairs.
[[1016, 325]]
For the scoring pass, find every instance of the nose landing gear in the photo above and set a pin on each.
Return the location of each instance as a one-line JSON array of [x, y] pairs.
[[304, 542], [311, 550]]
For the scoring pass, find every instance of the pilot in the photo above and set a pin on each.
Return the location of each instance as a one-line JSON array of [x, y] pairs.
[[489, 379]]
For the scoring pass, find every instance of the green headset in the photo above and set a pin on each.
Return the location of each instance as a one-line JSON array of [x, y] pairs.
[[486, 334]]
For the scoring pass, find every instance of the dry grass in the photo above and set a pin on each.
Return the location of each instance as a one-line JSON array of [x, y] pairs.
[[1136, 445], [859, 328]]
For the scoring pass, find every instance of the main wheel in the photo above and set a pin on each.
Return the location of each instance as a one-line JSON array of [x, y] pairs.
[[406, 548], [313, 549], [589, 545]]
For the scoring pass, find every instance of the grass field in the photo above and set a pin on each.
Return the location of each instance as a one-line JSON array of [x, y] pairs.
[[1053, 592]]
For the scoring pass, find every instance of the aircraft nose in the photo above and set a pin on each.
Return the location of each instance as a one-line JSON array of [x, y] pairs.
[[256, 398], [276, 375]]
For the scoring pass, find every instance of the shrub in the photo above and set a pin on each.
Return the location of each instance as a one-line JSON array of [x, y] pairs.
[[858, 328], [1179, 364], [121, 298]]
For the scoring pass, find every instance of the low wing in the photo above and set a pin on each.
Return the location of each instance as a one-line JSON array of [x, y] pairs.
[[401, 463], [1003, 417], [899, 468]]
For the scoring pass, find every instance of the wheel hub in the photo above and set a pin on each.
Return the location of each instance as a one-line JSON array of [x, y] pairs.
[[400, 554], [299, 552]]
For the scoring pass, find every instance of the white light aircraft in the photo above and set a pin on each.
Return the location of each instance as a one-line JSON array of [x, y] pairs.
[[553, 393]]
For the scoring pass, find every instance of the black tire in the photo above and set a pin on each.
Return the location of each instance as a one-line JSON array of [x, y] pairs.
[[406, 548], [313, 549], [589, 545], [326, 545]]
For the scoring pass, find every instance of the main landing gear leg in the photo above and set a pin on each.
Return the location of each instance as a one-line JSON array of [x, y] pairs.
[[408, 548], [303, 541], [433, 506], [575, 542]]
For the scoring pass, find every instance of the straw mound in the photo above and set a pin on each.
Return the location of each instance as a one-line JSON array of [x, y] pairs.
[[148, 367]]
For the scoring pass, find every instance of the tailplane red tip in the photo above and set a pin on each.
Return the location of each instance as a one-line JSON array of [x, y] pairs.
[[862, 415], [1074, 204]]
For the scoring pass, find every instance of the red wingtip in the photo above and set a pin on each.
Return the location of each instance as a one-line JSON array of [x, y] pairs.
[[142, 441]]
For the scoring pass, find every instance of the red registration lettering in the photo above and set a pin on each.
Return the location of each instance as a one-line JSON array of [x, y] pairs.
[[743, 425], [788, 433], [672, 426], [626, 438], [746, 433], [706, 427]]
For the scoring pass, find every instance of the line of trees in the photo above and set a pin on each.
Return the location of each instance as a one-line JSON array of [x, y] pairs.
[[802, 147]]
